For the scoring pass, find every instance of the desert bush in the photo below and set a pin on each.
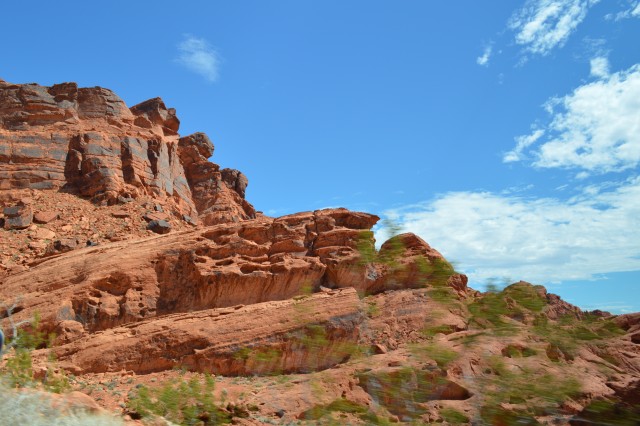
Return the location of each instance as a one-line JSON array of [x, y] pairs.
[[490, 312], [441, 355], [326, 413], [569, 333], [453, 416], [185, 402], [18, 369], [602, 411], [534, 389]]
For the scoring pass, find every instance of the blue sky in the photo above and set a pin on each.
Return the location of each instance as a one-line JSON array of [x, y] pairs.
[[505, 133]]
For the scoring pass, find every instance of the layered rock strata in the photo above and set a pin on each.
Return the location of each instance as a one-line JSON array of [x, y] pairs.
[[302, 335], [86, 141], [248, 262]]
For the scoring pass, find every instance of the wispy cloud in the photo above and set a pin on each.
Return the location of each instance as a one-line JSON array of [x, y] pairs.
[[599, 67], [522, 143], [595, 129], [542, 25], [633, 11], [613, 307], [512, 237], [483, 60], [197, 55]]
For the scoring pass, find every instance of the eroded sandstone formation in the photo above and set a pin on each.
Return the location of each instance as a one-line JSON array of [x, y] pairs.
[[307, 334], [141, 256], [88, 142], [252, 261]]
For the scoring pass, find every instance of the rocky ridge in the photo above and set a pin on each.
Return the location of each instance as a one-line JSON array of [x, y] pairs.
[[86, 141], [142, 257]]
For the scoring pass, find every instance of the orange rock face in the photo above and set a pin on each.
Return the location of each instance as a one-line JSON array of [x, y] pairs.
[[142, 256], [284, 337], [86, 141], [252, 261]]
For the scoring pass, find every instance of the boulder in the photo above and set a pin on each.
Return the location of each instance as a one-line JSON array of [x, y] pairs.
[[65, 244], [159, 226], [45, 217], [18, 217], [157, 216]]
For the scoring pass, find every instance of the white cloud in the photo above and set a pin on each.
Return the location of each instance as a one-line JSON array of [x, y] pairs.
[[542, 25], [543, 240], [483, 60], [599, 67], [197, 55], [632, 12], [613, 307], [596, 128], [522, 142]]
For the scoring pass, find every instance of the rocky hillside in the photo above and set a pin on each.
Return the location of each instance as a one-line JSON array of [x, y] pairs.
[[147, 268]]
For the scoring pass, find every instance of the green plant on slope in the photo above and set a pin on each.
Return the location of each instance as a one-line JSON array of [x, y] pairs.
[[569, 333], [612, 413], [18, 369], [491, 312], [185, 402], [528, 386], [453, 416], [441, 355], [433, 273], [326, 414], [532, 390]]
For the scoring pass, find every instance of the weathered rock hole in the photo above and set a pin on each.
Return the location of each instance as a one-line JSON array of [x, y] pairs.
[[248, 268], [117, 284], [215, 234]]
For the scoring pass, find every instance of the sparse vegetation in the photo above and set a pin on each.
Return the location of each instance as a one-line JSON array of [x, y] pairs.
[[602, 411], [441, 355], [18, 369], [530, 390], [326, 413], [453, 416], [185, 402]]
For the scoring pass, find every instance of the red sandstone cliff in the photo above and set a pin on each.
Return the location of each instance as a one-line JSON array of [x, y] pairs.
[[141, 256], [86, 141]]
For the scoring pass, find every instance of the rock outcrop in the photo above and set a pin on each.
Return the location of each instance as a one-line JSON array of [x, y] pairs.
[[86, 141], [141, 256], [252, 261], [302, 335], [210, 185]]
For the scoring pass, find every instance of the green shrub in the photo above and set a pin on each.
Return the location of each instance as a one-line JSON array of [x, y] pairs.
[[489, 312], [432, 331], [183, 402], [454, 416], [534, 388], [441, 355], [611, 413], [325, 413], [18, 369], [527, 296]]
